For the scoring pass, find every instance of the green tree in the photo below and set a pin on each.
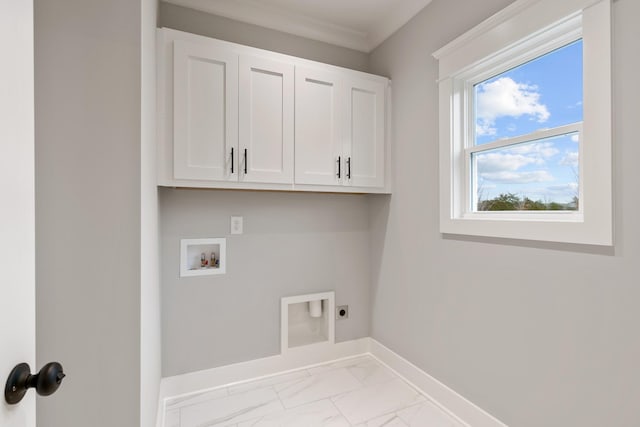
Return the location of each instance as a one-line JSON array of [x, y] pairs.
[[504, 202], [511, 202], [530, 205], [575, 203]]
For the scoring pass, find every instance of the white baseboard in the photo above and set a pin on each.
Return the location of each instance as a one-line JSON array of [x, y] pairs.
[[450, 401], [294, 359], [196, 382]]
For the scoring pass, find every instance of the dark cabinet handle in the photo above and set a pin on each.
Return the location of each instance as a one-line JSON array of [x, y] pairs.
[[231, 159], [245, 161], [46, 382], [339, 167], [349, 168]]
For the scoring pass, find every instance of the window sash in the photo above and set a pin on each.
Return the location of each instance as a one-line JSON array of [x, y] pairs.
[[471, 186], [529, 137], [537, 45], [569, 31]]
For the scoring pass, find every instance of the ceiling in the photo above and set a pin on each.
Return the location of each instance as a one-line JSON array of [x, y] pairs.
[[356, 24]]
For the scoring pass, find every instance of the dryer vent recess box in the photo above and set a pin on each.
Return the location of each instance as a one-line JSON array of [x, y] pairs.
[[307, 320]]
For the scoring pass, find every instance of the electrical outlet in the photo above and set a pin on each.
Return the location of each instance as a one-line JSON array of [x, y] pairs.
[[236, 225], [342, 312]]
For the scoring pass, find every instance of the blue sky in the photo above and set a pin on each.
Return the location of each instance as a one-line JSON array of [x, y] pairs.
[[544, 93]]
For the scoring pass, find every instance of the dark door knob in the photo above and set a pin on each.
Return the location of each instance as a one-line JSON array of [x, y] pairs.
[[20, 380]]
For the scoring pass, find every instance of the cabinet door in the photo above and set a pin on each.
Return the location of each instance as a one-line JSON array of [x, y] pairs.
[[365, 129], [318, 140], [205, 112], [266, 120]]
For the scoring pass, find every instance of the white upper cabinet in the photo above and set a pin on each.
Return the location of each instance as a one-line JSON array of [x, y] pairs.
[[232, 116], [205, 93], [340, 129], [365, 139], [266, 120], [318, 140]]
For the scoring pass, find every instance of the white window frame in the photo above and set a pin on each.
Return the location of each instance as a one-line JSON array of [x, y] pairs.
[[526, 30]]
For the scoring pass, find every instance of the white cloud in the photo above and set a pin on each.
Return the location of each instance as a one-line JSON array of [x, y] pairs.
[[484, 128], [509, 177], [562, 192], [572, 158], [514, 158], [542, 150], [500, 162], [563, 189], [505, 97], [575, 138]]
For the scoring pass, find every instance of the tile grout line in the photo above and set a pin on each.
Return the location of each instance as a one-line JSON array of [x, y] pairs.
[[324, 398], [395, 377], [428, 398], [340, 412], [309, 376], [256, 419], [362, 385], [328, 398]]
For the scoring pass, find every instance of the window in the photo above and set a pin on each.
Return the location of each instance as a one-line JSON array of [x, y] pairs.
[[525, 124], [525, 152]]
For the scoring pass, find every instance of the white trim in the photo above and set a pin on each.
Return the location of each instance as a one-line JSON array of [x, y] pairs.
[[295, 359], [223, 185], [401, 13], [529, 137], [445, 398], [184, 247], [279, 19], [329, 312], [561, 34], [532, 19], [491, 23], [530, 27]]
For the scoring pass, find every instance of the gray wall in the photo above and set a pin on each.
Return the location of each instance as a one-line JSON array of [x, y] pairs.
[[193, 21], [292, 244], [536, 334], [87, 98]]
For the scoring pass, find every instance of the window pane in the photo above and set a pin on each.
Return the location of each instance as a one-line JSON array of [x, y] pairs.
[[540, 94], [539, 175]]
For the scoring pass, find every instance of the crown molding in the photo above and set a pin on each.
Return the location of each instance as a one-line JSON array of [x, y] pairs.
[[257, 13], [391, 23], [494, 21]]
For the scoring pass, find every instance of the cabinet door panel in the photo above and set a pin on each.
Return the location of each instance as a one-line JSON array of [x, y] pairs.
[[318, 142], [205, 105], [266, 120], [366, 133]]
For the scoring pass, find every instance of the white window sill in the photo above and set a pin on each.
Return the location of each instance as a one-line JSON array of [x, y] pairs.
[[564, 228]]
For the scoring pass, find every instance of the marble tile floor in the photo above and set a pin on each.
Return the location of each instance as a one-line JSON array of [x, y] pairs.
[[356, 392]]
